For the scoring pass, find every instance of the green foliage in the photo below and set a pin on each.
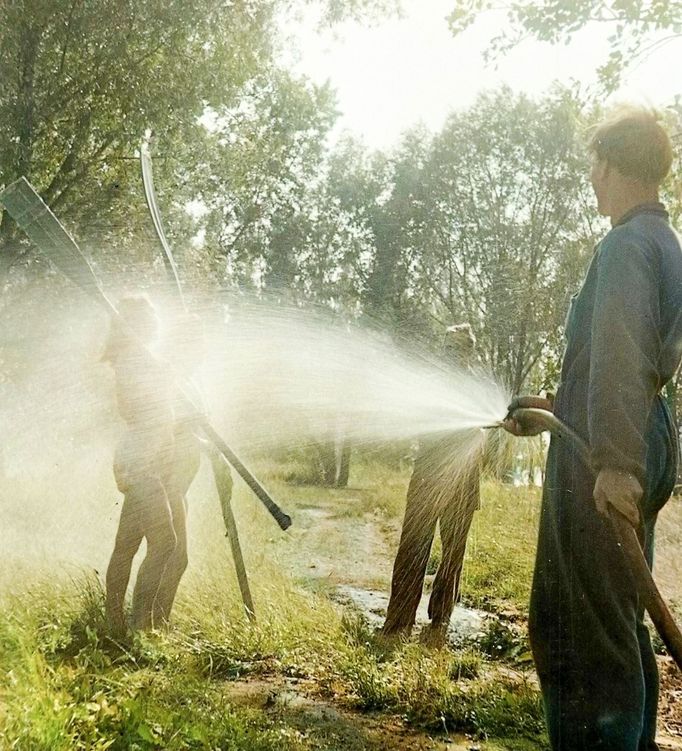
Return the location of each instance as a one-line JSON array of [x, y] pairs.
[[334, 11], [500, 551], [434, 557], [636, 29], [484, 222], [252, 171], [504, 640], [419, 685], [65, 684], [505, 227], [80, 83], [487, 221]]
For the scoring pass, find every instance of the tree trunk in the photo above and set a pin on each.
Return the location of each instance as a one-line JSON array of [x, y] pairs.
[[343, 452], [325, 461], [333, 461]]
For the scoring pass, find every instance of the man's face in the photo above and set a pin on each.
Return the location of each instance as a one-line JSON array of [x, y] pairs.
[[599, 178], [458, 345]]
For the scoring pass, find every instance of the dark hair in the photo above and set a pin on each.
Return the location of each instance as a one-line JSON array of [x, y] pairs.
[[633, 141]]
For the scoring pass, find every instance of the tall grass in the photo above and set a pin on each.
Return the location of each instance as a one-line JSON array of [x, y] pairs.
[[66, 684]]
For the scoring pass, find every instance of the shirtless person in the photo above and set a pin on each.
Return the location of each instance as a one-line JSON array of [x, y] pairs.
[[142, 467]]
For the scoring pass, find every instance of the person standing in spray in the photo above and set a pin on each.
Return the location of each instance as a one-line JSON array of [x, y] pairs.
[[143, 464], [592, 651], [186, 348], [441, 491], [186, 352]]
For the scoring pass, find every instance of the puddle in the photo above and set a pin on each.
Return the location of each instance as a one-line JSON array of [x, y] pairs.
[[466, 625]]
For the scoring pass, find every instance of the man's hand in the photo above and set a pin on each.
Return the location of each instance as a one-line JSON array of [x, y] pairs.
[[525, 426], [620, 490]]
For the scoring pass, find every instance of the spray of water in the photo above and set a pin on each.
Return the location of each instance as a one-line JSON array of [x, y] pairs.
[[270, 377], [279, 374]]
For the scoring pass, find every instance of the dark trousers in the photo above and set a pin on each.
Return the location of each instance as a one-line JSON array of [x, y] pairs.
[[592, 651], [434, 496]]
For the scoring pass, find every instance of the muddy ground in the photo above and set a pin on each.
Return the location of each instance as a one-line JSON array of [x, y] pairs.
[[349, 556]]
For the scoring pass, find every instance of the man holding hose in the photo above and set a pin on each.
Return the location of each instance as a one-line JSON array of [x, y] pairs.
[[592, 651]]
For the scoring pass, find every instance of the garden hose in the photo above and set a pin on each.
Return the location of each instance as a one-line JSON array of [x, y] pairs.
[[626, 536]]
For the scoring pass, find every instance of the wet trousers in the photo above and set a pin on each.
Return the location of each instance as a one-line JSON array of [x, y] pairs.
[[592, 651], [431, 499]]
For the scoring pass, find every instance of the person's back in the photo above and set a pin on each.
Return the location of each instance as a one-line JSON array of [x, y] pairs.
[[592, 649], [671, 292]]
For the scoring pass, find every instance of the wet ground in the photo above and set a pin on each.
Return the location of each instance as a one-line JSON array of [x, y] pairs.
[[336, 726], [466, 625], [357, 575]]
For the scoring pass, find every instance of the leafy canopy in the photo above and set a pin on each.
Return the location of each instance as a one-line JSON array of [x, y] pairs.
[[636, 28]]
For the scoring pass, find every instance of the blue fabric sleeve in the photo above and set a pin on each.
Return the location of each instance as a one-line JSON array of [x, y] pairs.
[[625, 350]]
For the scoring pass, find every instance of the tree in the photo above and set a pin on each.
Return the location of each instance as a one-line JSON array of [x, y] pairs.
[[397, 229], [636, 27], [81, 83], [507, 231], [252, 173], [374, 202]]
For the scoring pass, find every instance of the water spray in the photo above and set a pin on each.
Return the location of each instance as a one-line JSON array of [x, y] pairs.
[[46, 232], [44, 229], [626, 534]]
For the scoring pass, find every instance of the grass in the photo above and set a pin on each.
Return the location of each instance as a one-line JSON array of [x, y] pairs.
[[64, 684], [500, 553], [443, 690]]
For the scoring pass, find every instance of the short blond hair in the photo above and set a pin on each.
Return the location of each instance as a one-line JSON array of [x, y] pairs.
[[633, 140]]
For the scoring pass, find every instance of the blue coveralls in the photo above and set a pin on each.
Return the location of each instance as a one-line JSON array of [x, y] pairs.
[[624, 341]]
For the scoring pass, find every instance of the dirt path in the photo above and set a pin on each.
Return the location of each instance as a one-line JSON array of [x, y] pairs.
[[351, 551], [336, 726], [352, 556], [341, 548]]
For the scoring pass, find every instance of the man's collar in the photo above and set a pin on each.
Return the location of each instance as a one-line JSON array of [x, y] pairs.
[[655, 207]]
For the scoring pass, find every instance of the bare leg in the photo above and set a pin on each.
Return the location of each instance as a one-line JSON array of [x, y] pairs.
[[175, 567], [128, 539], [185, 467], [161, 541], [409, 569]]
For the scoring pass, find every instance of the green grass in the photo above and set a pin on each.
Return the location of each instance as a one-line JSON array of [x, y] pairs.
[[64, 684], [444, 690], [501, 549]]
